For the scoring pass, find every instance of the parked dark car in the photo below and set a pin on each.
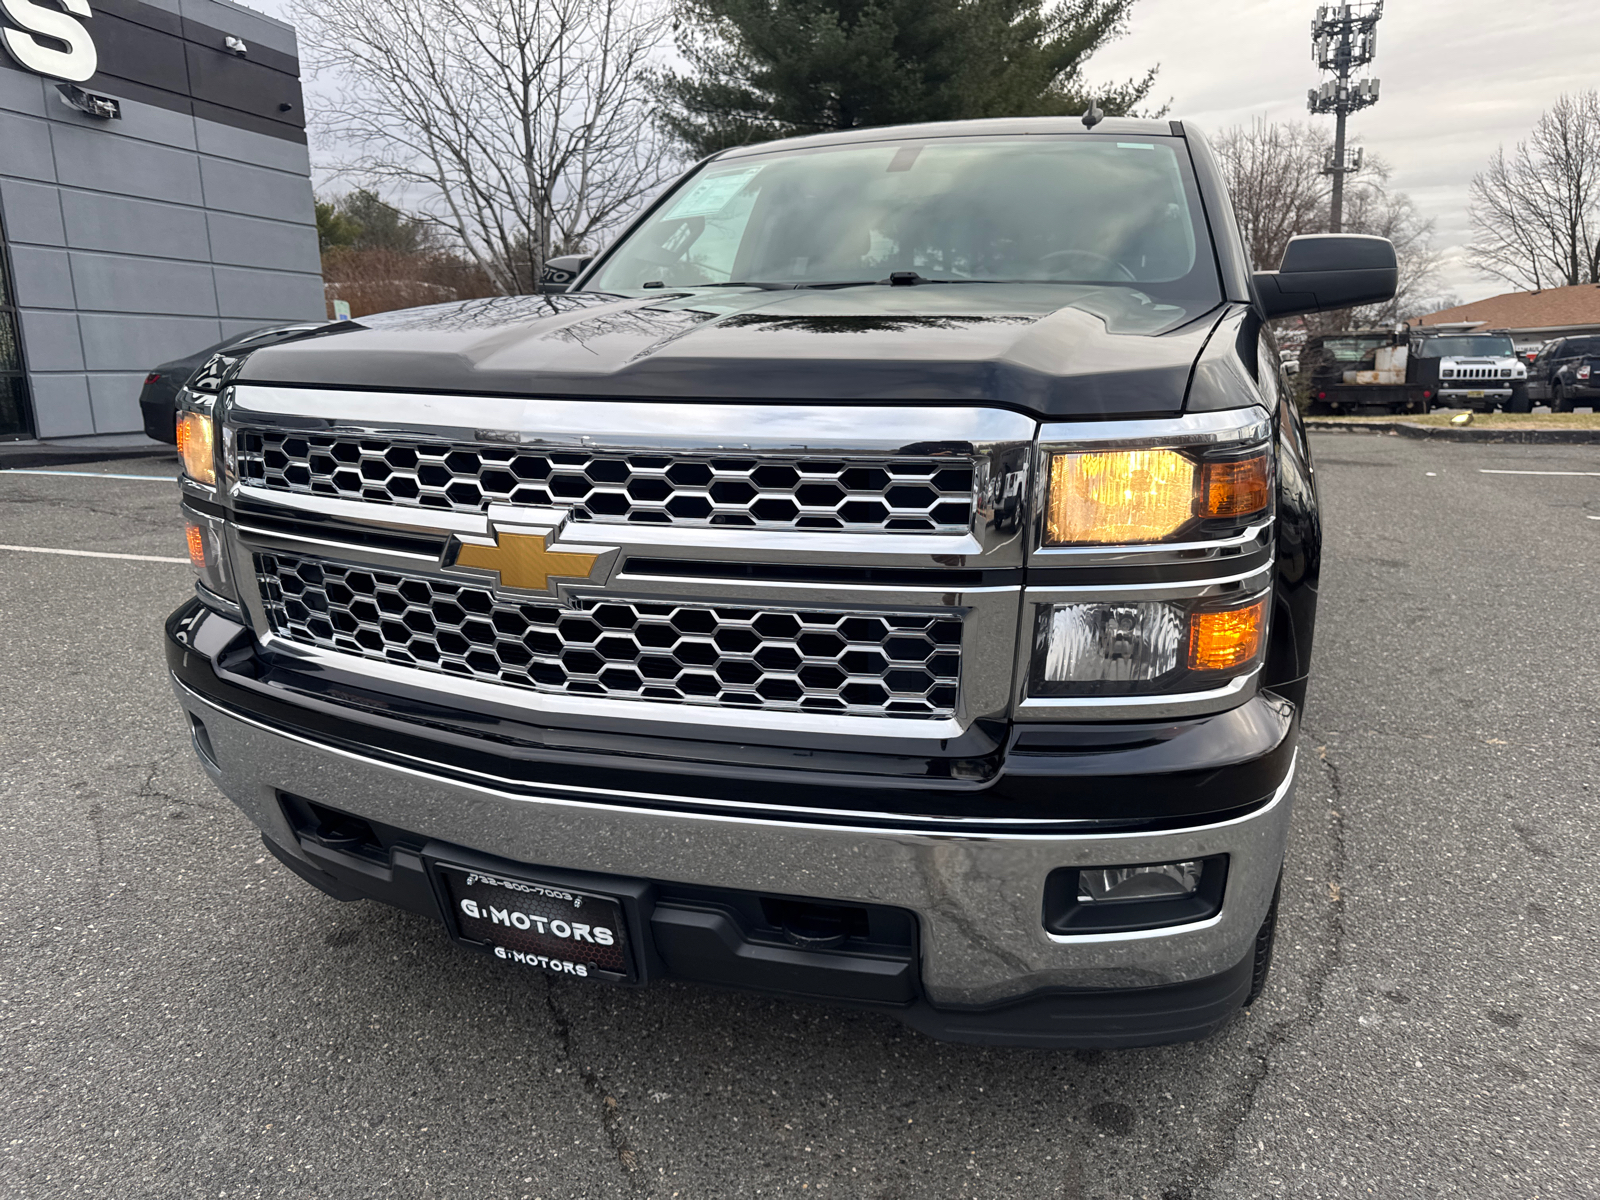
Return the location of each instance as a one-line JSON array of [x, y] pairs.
[[159, 397], [887, 576], [1567, 373]]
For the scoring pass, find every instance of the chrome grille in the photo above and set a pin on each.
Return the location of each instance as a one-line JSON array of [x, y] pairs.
[[894, 493], [857, 663]]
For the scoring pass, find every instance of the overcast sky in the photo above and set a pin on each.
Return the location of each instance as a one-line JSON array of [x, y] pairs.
[[1460, 77]]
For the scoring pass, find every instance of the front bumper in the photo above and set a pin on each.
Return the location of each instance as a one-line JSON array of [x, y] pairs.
[[987, 969], [1497, 391]]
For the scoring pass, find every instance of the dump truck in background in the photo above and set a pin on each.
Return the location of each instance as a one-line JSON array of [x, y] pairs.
[[1375, 372], [1361, 372]]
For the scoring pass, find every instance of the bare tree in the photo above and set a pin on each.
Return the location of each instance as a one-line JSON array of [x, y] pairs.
[[1275, 175], [1537, 213], [518, 127]]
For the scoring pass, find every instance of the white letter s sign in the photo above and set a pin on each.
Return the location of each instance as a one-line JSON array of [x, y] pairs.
[[37, 19]]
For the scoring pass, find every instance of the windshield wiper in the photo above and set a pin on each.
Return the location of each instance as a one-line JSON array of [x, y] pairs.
[[764, 287]]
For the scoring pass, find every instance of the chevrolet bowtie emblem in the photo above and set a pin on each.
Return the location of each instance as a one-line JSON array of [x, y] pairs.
[[524, 561]]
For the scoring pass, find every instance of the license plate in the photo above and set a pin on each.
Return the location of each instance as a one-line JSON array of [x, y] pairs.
[[543, 926], [1474, 395]]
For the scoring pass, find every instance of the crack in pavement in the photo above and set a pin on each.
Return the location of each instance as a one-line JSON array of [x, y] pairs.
[[610, 1111], [1210, 1163]]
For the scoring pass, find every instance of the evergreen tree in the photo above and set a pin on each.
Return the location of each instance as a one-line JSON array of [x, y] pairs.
[[359, 220], [765, 69]]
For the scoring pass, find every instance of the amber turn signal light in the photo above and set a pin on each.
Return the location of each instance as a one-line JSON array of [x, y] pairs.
[[197, 546], [1225, 639], [196, 447], [1237, 488]]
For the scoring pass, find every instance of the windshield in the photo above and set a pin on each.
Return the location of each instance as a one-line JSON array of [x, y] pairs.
[[1056, 209], [1466, 347], [1353, 349]]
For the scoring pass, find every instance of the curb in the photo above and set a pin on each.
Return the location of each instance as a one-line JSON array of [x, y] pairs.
[[46, 454], [1464, 434]]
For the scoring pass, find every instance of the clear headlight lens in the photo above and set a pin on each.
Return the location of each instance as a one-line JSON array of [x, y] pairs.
[[1127, 643], [1125, 647], [1127, 497], [197, 447]]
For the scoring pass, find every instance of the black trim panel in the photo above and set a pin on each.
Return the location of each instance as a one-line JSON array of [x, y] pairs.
[[1149, 775]]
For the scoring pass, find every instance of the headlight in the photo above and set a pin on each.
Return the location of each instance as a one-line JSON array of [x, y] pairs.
[[197, 447], [1116, 647], [1124, 497]]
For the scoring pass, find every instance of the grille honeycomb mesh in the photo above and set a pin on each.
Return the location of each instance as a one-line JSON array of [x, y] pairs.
[[861, 664], [898, 494]]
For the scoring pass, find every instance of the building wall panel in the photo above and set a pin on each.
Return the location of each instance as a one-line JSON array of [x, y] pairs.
[[139, 240], [42, 277], [97, 221]]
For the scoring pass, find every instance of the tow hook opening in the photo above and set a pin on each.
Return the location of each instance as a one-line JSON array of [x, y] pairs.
[[333, 830], [814, 926]]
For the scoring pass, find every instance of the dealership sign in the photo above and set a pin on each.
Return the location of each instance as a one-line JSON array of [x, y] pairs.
[[41, 28]]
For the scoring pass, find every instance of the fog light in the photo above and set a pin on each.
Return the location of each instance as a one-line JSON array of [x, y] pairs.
[[1125, 643], [1152, 881]]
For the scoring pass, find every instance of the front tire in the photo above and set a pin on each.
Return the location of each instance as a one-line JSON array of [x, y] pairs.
[[1265, 938], [1519, 402]]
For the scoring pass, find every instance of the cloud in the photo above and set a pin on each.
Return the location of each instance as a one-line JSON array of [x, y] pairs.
[[1459, 79]]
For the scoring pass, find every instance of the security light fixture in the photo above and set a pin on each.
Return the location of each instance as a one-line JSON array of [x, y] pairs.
[[102, 108]]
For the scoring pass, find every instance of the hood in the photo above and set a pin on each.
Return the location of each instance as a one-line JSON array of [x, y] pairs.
[[1055, 350]]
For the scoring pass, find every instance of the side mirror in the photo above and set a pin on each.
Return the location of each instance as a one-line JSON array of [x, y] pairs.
[[1322, 271], [559, 272]]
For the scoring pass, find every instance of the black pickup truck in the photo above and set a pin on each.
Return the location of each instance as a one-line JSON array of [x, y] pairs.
[[1566, 373], [885, 576]]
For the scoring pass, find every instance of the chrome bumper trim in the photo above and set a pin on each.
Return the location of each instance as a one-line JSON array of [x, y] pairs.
[[978, 895]]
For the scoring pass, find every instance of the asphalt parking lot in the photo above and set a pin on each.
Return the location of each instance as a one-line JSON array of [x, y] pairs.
[[181, 1017]]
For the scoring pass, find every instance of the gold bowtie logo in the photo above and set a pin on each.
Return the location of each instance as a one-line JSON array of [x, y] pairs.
[[524, 561]]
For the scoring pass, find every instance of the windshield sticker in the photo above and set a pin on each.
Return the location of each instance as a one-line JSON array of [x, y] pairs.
[[1136, 146], [709, 196], [905, 158]]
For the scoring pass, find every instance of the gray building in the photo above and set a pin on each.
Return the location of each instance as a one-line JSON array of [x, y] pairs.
[[154, 199]]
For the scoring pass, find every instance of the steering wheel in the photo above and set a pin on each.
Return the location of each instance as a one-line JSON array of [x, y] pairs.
[[1100, 260]]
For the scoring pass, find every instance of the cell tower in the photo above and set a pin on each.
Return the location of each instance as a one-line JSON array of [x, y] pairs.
[[1343, 37]]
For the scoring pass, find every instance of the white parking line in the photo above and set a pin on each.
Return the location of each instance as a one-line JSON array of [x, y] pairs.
[[94, 554], [1489, 471], [83, 474]]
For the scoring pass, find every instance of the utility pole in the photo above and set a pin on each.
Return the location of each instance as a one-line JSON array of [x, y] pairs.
[[1343, 37]]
